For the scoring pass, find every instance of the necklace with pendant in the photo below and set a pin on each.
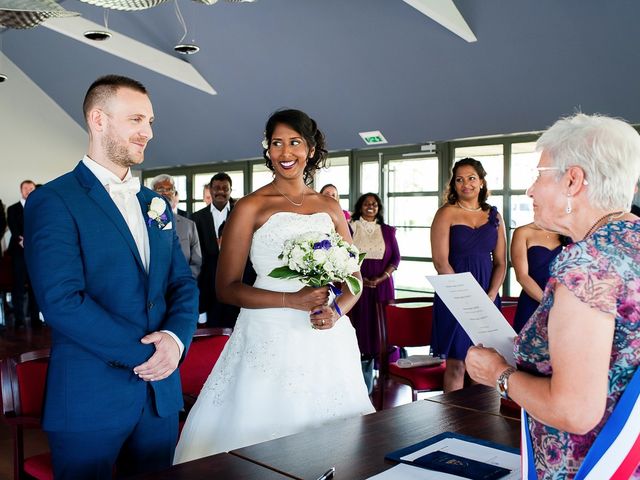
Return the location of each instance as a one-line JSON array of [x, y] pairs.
[[290, 201], [467, 208], [611, 216]]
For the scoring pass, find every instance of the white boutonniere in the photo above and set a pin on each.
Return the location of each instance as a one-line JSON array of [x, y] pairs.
[[157, 213]]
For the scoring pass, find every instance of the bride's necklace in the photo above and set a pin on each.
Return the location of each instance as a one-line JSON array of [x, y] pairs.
[[290, 201], [467, 208], [608, 216]]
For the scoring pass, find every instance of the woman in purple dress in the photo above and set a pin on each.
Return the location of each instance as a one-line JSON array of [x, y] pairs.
[[378, 240], [532, 251], [467, 235]]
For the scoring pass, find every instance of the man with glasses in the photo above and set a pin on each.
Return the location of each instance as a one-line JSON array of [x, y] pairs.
[[185, 228]]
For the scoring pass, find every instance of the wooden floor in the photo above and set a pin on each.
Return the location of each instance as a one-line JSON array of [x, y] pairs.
[[14, 341]]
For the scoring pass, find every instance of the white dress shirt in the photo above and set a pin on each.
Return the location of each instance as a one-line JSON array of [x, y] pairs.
[[219, 217], [128, 205]]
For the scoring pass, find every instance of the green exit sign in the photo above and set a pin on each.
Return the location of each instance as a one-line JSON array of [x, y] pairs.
[[373, 138]]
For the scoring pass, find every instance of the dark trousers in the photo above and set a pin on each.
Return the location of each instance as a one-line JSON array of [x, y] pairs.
[[145, 446], [221, 315], [20, 279]]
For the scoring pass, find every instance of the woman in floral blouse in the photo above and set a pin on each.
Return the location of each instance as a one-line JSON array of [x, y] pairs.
[[581, 348]]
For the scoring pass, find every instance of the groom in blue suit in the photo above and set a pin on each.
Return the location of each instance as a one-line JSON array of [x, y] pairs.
[[114, 287]]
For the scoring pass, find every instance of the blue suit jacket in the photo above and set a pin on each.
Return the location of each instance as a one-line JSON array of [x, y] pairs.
[[99, 301]]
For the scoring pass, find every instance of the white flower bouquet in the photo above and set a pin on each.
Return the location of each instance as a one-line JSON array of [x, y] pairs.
[[319, 259]]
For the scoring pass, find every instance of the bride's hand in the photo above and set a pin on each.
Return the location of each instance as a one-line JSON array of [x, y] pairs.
[[307, 298], [323, 317]]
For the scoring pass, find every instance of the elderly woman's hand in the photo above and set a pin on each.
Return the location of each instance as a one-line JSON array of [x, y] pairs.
[[485, 365]]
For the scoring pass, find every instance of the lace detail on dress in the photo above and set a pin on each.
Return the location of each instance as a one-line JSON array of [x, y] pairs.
[[367, 236]]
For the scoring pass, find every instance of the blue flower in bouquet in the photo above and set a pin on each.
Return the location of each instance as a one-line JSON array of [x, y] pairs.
[[318, 259]]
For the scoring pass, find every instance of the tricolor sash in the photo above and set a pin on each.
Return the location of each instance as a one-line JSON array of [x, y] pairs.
[[615, 454]]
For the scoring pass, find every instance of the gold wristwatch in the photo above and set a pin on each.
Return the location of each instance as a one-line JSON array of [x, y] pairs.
[[502, 384]]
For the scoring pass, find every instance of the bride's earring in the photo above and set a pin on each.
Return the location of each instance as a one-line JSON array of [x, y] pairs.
[[569, 209]]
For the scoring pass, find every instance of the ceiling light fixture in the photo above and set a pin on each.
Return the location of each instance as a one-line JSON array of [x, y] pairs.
[[184, 48], [99, 35], [187, 48], [3, 77]]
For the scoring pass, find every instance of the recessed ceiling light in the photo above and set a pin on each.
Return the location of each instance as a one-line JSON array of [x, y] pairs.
[[187, 48], [97, 35], [3, 77]]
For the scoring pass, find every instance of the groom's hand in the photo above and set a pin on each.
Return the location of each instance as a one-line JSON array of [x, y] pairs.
[[163, 362]]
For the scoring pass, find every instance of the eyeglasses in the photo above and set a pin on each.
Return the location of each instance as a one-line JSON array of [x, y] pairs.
[[161, 190], [537, 171]]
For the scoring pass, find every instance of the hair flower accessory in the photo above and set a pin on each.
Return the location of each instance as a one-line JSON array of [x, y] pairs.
[[157, 213], [265, 142]]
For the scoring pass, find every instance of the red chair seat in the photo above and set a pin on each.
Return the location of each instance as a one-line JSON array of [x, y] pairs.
[[420, 378], [39, 466]]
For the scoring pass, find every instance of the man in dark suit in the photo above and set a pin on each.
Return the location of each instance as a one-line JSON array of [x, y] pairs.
[[118, 295], [15, 220], [210, 223]]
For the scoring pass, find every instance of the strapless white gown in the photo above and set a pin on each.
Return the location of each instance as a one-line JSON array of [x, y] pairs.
[[276, 376]]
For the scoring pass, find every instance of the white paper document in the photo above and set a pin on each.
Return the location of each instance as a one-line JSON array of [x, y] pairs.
[[455, 446], [475, 311]]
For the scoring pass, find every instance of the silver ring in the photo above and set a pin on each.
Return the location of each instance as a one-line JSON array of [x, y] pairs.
[[322, 322]]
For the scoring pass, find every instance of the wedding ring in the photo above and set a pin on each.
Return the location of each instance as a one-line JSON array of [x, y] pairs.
[[322, 322]]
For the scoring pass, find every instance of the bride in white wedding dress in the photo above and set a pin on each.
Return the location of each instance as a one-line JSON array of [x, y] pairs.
[[292, 362]]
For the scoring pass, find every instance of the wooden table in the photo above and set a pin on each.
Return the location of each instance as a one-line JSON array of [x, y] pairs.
[[356, 447], [479, 398], [222, 466]]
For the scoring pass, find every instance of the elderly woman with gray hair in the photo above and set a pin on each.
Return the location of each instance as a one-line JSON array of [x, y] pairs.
[[577, 357]]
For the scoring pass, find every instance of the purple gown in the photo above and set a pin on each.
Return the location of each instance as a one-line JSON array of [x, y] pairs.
[[539, 258], [363, 313], [470, 250]]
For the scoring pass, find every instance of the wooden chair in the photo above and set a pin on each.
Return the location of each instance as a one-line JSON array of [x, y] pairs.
[[202, 355], [404, 326], [23, 380]]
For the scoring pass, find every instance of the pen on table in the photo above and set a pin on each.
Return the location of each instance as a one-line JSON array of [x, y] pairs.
[[328, 474]]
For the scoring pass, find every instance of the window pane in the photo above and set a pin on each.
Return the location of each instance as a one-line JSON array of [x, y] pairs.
[[344, 203], [514, 287], [199, 181], [411, 211], [237, 182], [524, 158], [414, 241], [370, 177], [198, 206], [415, 175], [521, 210], [260, 176], [492, 159], [496, 201], [412, 276], [336, 173]]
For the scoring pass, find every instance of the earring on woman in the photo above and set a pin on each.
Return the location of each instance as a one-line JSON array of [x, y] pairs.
[[568, 209]]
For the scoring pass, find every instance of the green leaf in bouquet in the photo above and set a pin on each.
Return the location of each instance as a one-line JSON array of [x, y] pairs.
[[354, 284], [315, 282], [361, 258], [284, 272]]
